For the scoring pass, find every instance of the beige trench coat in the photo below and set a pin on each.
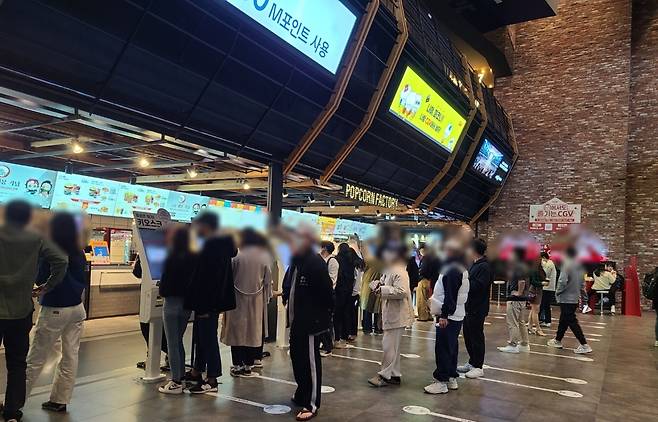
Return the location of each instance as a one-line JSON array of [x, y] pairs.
[[247, 323]]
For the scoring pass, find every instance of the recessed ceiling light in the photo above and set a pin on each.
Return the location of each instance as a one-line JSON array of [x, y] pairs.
[[143, 162]]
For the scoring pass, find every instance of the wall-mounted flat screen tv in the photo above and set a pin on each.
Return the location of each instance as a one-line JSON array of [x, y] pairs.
[[491, 163], [421, 107]]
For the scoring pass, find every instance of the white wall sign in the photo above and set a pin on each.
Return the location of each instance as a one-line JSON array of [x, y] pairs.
[[319, 29], [554, 215]]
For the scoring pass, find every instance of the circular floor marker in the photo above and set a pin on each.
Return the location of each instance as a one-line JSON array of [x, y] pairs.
[[416, 410], [326, 389], [575, 381], [410, 355], [276, 409], [567, 393]]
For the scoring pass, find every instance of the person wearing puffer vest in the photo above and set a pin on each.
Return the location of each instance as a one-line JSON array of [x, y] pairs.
[[448, 304]]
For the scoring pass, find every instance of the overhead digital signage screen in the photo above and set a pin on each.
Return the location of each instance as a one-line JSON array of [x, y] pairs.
[[184, 206], [74, 192], [27, 183], [491, 163], [139, 198], [421, 107], [319, 29]]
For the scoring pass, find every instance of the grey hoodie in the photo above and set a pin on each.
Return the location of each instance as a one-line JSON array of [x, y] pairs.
[[570, 282]]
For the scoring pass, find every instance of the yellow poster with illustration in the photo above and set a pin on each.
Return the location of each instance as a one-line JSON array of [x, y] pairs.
[[418, 105]]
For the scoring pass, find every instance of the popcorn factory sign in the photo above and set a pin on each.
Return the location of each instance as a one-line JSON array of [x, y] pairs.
[[553, 215], [370, 197]]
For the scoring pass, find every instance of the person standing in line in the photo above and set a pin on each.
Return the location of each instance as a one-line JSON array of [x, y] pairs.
[[175, 278], [397, 312], [343, 294], [517, 295], [61, 316], [569, 286], [20, 252], [536, 278], [359, 267], [326, 252], [371, 302], [243, 326], [430, 268], [309, 304], [480, 277], [413, 270], [548, 294], [448, 303], [209, 293]]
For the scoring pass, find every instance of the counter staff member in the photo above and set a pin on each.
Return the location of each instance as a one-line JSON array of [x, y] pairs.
[[310, 301], [20, 251]]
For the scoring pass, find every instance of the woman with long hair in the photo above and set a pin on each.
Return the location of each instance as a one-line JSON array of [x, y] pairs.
[[537, 279], [173, 284], [343, 292], [61, 316]]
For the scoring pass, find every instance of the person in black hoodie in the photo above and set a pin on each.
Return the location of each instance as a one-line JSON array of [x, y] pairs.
[[480, 277], [175, 279], [210, 292], [309, 304], [343, 291]]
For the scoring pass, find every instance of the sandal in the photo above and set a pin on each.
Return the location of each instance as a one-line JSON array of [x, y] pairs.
[[305, 415]]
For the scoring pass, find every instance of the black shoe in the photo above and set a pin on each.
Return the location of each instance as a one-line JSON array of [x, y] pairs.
[[266, 354], [141, 365], [393, 380], [190, 379], [204, 387], [53, 407], [165, 368]]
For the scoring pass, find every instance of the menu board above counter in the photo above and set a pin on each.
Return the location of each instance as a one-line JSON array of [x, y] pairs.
[[27, 183], [74, 192], [184, 206], [139, 198]]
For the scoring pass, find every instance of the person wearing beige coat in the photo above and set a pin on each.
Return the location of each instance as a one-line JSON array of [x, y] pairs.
[[244, 327]]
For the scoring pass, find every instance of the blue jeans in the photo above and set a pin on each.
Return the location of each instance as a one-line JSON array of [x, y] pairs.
[[446, 350], [207, 358], [175, 318]]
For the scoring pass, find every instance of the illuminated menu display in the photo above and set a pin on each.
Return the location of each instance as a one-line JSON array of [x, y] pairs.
[[31, 184], [139, 198], [184, 206], [421, 107], [74, 192]]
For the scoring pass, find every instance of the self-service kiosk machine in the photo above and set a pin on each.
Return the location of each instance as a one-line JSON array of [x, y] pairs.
[[150, 233]]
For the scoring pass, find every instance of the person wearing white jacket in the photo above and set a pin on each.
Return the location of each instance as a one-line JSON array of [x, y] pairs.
[[397, 313], [448, 304]]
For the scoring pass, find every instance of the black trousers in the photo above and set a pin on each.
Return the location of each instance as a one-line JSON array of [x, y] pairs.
[[342, 314], [15, 335], [307, 368], [245, 355], [446, 350], [145, 327], [353, 316], [207, 357], [474, 339], [545, 306], [568, 320]]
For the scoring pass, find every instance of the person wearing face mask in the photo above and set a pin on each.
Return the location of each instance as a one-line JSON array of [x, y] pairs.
[[397, 313], [209, 293], [310, 300]]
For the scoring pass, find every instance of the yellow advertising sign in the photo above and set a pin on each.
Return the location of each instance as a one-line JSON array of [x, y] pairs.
[[418, 105]]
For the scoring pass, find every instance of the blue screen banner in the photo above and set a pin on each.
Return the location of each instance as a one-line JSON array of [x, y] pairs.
[[74, 192], [319, 29], [31, 184]]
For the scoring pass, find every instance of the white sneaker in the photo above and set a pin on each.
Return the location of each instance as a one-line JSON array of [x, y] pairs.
[[612, 310], [545, 324], [452, 384], [324, 353], [586, 309], [583, 349], [655, 344], [464, 368], [523, 348], [258, 363], [509, 349], [475, 373], [342, 344], [171, 388], [554, 343], [436, 387]]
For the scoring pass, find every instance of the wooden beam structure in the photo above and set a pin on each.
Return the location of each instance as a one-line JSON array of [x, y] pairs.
[[375, 101], [344, 77], [448, 164], [236, 186], [211, 175], [368, 210]]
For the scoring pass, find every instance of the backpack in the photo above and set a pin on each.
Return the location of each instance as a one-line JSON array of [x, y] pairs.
[[649, 284]]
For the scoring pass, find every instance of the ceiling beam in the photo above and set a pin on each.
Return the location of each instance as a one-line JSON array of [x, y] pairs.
[[211, 175], [363, 210], [59, 141], [344, 76], [34, 125], [233, 185]]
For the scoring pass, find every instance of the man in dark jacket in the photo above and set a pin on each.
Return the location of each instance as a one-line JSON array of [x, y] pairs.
[[210, 293], [480, 276], [309, 316]]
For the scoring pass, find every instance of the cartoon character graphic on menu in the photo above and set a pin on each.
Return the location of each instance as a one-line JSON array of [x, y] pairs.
[[196, 208], [45, 188], [31, 186], [409, 102], [4, 171]]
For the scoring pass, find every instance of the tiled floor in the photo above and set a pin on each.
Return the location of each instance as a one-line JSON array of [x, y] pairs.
[[622, 381]]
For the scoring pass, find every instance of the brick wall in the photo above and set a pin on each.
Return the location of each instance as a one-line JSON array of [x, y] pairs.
[[569, 100], [642, 177]]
